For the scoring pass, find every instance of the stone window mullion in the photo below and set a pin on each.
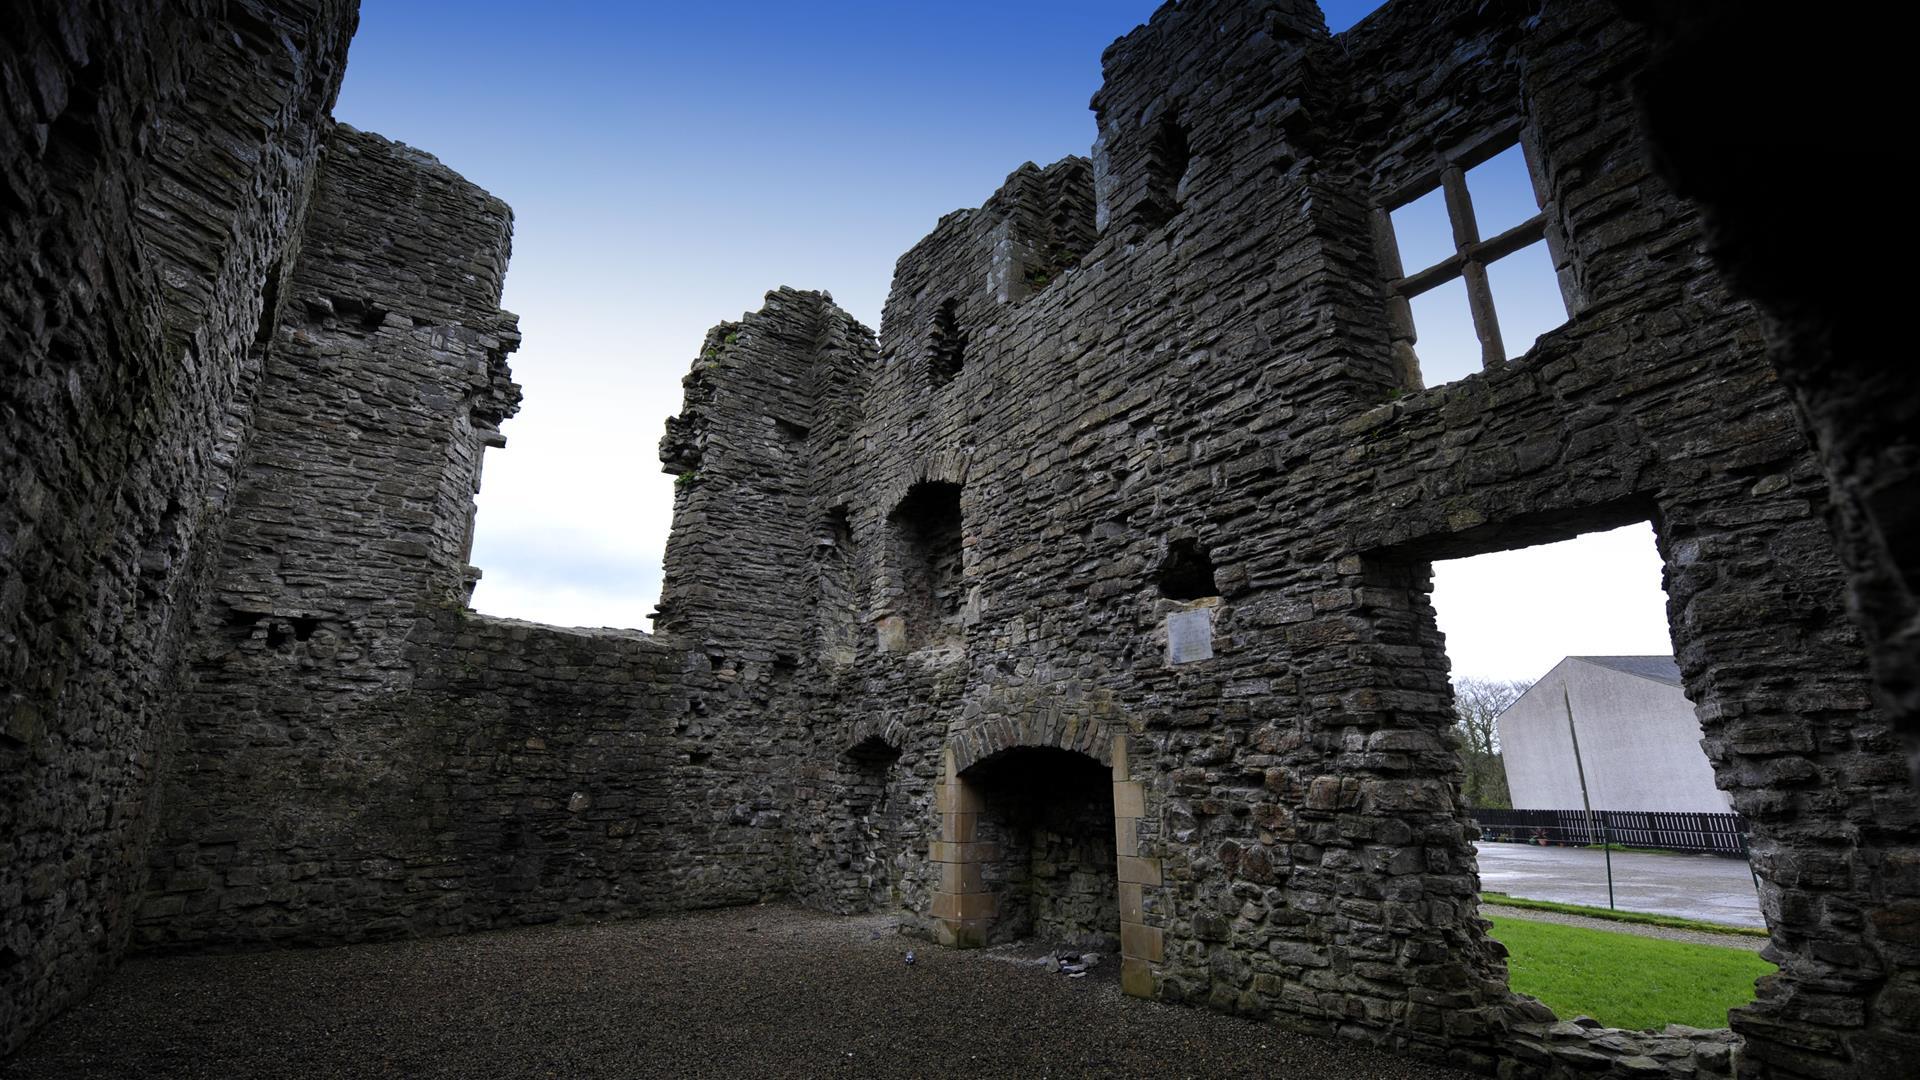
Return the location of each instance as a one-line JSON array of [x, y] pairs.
[[1473, 268]]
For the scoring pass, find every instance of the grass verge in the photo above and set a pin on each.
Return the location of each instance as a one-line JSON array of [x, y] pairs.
[[1624, 850], [1644, 918], [1623, 980]]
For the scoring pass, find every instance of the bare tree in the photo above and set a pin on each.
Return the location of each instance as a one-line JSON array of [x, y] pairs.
[[1476, 705]]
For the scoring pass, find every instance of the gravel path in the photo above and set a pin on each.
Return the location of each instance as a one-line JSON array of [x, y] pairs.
[[744, 992], [1668, 933]]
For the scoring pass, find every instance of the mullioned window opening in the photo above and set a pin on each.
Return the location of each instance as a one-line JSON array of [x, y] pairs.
[[1468, 263]]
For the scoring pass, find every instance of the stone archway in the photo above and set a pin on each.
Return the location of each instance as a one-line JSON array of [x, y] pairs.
[[966, 905]]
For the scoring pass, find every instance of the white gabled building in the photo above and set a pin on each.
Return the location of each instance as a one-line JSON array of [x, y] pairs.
[[1639, 740]]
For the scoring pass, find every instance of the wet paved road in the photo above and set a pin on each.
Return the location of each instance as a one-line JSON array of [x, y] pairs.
[[1692, 886]]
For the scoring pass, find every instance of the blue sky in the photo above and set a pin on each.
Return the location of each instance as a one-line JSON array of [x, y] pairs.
[[669, 164]]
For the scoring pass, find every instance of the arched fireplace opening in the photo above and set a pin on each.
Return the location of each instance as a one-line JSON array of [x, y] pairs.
[[1047, 854]]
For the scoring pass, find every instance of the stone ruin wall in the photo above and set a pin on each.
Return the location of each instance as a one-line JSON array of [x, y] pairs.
[[252, 360], [1112, 358], [358, 755], [154, 162], [1219, 367]]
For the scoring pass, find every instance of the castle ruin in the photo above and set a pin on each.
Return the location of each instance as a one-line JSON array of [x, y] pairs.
[[1088, 599]]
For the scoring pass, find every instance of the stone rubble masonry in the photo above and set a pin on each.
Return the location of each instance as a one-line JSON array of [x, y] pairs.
[[278, 723], [155, 160]]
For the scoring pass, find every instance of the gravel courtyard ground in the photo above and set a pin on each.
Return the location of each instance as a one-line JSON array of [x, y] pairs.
[[745, 992], [1701, 887]]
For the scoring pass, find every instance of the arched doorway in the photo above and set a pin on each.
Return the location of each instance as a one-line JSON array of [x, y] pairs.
[[1045, 826], [1040, 840], [869, 828]]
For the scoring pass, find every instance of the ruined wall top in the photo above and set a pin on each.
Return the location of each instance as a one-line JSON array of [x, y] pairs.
[[358, 487], [448, 258]]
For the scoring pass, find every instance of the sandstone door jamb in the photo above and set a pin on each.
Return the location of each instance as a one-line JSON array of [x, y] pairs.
[[1141, 947], [962, 906]]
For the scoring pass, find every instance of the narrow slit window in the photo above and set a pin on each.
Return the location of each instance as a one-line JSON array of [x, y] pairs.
[[928, 563], [1169, 156], [837, 562], [1443, 251], [946, 345]]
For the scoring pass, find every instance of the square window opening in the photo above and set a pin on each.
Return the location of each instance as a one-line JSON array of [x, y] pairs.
[[1580, 755]]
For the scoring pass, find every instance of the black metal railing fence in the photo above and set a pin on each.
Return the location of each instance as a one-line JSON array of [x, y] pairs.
[[1666, 830]]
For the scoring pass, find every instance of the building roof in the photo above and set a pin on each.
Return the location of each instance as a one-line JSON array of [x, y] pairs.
[[1660, 669]]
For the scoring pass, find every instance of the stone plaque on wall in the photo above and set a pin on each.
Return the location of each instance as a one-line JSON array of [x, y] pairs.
[[1190, 636]]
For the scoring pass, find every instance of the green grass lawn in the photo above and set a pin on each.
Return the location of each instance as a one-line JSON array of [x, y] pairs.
[[1627, 981]]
